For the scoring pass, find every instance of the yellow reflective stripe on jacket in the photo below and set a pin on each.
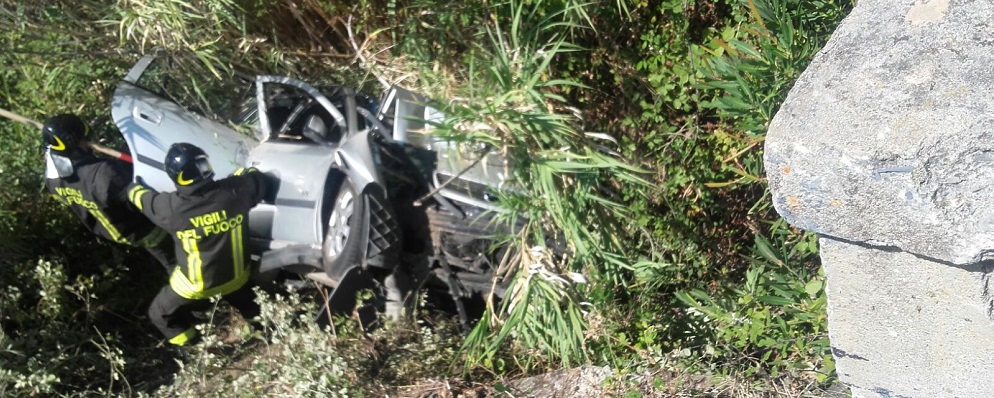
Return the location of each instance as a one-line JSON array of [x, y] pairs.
[[135, 195], [237, 254], [185, 337], [190, 284], [187, 280], [111, 230], [184, 289], [115, 235], [243, 170]]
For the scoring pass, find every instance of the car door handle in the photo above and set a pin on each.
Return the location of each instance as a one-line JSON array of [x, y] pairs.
[[147, 115]]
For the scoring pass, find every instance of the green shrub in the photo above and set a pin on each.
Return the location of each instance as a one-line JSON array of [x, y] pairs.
[[775, 322], [68, 310], [291, 357]]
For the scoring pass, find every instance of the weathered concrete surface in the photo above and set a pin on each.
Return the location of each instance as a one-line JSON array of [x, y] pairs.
[[885, 146], [920, 329], [888, 136]]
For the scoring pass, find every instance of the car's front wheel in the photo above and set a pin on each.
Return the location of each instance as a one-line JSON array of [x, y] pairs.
[[360, 224], [343, 239]]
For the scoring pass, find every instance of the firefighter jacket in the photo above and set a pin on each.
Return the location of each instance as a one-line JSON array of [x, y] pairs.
[[97, 192], [208, 222]]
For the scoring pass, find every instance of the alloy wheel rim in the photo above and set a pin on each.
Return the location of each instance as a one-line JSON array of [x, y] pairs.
[[338, 223]]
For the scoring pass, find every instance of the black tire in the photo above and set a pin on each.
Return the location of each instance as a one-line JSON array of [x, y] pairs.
[[345, 234], [343, 240]]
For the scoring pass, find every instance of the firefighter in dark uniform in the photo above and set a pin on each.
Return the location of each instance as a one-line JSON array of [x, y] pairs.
[[96, 189], [208, 220]]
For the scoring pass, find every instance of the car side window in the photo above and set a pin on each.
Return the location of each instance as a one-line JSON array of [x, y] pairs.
[[296, 116]]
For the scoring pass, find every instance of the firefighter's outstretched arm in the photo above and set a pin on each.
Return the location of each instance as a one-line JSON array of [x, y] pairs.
[[261, 186], [143, 197]]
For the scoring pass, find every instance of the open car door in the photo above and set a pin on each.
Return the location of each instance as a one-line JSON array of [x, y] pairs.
[[301, 128], [155, 107]]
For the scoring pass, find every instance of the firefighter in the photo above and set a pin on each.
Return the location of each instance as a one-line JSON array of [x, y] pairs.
[[96, 189], [208, 221]]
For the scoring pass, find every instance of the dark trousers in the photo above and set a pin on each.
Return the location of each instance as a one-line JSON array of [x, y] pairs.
[[173, 314]]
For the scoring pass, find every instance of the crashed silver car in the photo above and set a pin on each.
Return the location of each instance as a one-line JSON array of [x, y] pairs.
[[364, 194]]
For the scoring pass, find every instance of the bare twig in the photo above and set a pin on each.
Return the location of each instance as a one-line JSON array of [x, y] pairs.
[[362, 59], [20, 119], [420, 201], [308, 27], [325, 298]]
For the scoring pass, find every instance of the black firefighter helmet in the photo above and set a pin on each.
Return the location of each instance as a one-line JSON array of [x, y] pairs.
[[64, 133], [188, 165]]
